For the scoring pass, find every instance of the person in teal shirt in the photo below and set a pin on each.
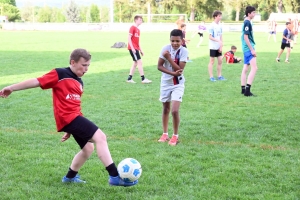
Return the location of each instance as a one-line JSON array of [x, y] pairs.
[[248, 45]]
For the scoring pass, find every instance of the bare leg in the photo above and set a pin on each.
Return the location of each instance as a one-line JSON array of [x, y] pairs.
[[279, 53], [80, 158], [175, 114], [132, 69], [252, 71], [165, 116], [269, 37], [103, 152], [288, 51], [244, 75], [140, 67], [292, 44], [200, 42], [210, 66], [219, 68]]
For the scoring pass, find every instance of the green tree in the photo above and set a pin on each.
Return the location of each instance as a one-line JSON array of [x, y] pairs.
[[280, 6], [266, 7], [73, 12], [104, 14], [95, 13], [57, 15], [169, 4], [11, 2], [237, 6], [295, 5], [124, 10], [85, 15], [208, 7], [192, 6], [12, 12], [27, 12], [45, 14]]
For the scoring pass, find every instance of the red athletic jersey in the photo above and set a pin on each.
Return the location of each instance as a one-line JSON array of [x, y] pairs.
[[229, 56], [67, 89], [135, 38]]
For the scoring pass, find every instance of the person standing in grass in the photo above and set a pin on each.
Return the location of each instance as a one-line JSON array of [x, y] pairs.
[[215, 46], [272, 29], [286, 41], [67, 88], [135, 50], [171, 63], [201, 28], [179, 22], [249, 52]]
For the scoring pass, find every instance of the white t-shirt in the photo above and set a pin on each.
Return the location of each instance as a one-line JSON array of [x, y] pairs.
[[167, 79], [215, 30]]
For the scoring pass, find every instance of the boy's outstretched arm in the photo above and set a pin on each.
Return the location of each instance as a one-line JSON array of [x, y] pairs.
[[30, 83]]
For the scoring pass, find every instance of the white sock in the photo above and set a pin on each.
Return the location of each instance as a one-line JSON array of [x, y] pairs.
[[165, 133], [175, 135]]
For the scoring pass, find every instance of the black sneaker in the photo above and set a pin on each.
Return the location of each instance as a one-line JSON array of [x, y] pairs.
[[248, 94]]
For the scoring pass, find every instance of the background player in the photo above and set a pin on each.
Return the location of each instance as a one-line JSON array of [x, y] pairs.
[[286, 42], [229, 56], [249, 52], [135, 50]]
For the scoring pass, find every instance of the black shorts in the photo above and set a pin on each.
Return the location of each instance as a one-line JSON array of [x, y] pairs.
[[283, 45], [214, 53], [136, 56], [82, 130], [200, 34], [235, 60]]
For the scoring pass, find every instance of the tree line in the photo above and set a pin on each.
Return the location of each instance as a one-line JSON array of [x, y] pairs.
[[125, 10]]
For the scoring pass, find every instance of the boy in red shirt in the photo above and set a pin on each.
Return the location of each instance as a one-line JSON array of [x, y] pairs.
[[67, 88], [229, 56], [135, 49]]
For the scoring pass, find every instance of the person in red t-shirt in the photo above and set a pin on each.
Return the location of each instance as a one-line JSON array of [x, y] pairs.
[[229, 56], [67, 88], [135, 49]]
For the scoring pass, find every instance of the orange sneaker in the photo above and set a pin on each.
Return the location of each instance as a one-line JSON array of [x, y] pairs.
[[164, 138], [173, 141]]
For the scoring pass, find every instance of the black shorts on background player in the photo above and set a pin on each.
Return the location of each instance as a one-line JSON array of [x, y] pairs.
[[214, 53]]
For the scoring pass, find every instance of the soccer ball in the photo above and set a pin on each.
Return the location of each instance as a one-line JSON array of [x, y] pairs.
[[130, 169]]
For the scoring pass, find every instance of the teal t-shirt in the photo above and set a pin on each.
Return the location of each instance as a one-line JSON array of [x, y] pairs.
[[247, 30]]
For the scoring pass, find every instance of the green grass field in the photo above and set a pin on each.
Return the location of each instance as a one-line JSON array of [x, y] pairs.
[[232, 147]]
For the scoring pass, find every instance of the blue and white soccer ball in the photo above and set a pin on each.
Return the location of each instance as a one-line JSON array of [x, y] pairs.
[[130, 169]]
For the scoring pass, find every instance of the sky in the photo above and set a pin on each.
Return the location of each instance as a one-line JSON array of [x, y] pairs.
[[60, 3]]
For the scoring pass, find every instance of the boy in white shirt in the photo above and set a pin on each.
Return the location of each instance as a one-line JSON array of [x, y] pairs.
[[215, 46], [171, 63]]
